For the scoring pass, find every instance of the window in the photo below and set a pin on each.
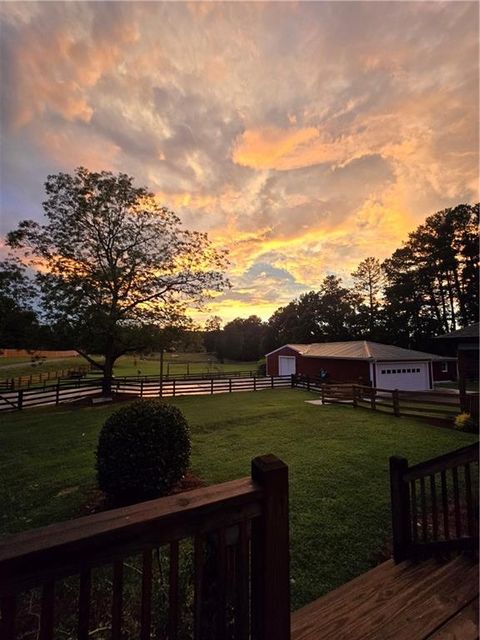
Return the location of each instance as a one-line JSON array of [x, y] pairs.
[[389, 371], [444, 367], [383, 370], [418, 370], [404, 371], [409, 370]]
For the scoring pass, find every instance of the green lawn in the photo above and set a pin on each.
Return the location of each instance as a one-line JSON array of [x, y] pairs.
[[337, 456], [9, 368], [178, 364]]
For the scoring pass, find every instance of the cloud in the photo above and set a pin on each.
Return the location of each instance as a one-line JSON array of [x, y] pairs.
[[302, 136]]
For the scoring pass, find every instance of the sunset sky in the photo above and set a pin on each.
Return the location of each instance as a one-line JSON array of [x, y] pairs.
[[303, 137]]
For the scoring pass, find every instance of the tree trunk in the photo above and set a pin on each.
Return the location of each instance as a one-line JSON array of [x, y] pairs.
[[108, 374]]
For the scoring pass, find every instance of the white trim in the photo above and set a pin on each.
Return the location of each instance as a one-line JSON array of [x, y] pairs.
[[280, 348]]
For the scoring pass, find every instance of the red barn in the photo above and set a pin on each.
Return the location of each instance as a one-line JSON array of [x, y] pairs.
[[364, 362]]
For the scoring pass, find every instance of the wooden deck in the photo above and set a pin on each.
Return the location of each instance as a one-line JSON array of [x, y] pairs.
[[432, 600]]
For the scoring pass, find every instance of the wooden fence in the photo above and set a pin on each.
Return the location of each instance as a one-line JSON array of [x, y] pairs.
[[68, 391], [435, 504], [36, 379], [442, 405], [237, 587]]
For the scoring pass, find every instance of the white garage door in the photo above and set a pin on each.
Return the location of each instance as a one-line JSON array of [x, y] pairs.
[[405, 376], [286, 365]]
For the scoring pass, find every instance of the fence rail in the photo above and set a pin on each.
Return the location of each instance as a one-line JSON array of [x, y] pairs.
[[438, 404], [237, 582], [435, 504], [125, 387], [34, 379]]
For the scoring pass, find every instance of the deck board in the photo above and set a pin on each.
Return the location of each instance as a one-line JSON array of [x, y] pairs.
[[394, 602]]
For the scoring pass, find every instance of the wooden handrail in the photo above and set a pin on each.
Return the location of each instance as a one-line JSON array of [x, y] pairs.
[[65, 548], [434, 506], [442, 463], [246, 519]]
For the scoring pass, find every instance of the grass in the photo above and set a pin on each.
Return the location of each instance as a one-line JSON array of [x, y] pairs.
[[471, 385], [337, 457], [178, 364], [174, 364], [11, 370]]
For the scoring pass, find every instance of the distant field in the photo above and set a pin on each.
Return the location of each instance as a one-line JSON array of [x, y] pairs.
[[174, 364], [178, 364], [7, 361], [19, 366]]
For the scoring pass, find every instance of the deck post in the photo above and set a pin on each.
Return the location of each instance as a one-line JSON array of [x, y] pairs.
[[292, 380], [270, 553], [400, 497], [354, 396]]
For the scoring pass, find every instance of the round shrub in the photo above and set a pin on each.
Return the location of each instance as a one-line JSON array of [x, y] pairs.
[[143, 451]]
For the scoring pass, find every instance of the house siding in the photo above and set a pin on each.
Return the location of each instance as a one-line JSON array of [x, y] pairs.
[[439, 375], [339, 370]]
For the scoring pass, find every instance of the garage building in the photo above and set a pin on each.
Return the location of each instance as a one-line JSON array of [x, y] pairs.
[[363, 362]]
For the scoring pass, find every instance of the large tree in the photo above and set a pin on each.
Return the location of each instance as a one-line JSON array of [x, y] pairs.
[[113, 260], [368, 282], [432, 281], [242, 339]]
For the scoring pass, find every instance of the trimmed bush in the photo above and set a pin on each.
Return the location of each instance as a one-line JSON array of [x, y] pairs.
[[143, 451]]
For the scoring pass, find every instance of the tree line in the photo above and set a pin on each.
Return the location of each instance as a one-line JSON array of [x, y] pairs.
[[428, 287]]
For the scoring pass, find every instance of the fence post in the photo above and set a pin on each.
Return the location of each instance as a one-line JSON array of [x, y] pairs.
[[270, 553], [396, 403], [230, 385], [308, 383], [323, 394], [20, 399], [174, 387], [271, 381], [400, 497], [373, 399], [211, 386], [292, 380], [57, 394], [354, 396], [254, 383], [462, 389], [141, 388]]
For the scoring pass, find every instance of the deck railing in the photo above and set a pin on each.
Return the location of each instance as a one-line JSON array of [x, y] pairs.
[[232, 540], [435, 504]]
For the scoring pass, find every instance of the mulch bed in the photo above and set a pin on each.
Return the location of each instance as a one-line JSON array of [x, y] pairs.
[[97, 501]]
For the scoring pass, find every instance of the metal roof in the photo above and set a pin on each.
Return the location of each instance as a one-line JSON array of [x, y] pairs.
[[467, 332], [361, 350]]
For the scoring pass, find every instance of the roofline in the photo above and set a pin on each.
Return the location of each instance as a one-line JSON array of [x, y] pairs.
[[280, 348], [428, 357]]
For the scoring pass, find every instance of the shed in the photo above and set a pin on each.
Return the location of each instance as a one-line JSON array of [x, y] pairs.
[[465, 343], [362, 361]]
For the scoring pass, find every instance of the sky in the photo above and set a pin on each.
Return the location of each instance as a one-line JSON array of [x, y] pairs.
[[302, 136]]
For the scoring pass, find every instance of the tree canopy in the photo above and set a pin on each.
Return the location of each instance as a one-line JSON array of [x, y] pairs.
[[113, 260]]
